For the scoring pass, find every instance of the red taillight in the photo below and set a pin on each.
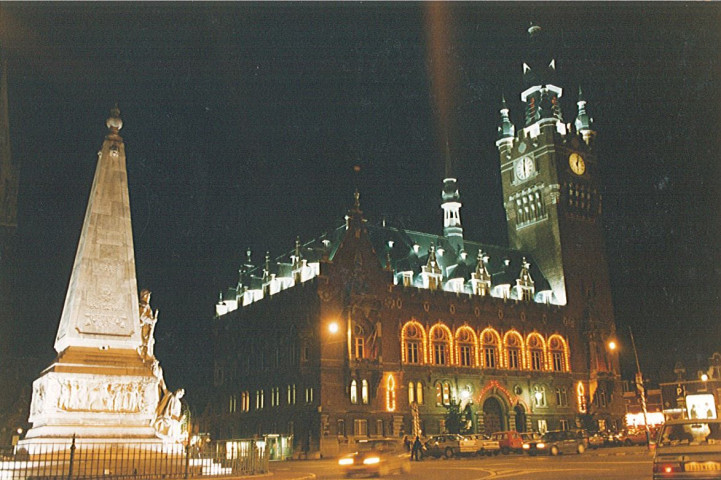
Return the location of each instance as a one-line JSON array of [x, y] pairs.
[[667, 467]]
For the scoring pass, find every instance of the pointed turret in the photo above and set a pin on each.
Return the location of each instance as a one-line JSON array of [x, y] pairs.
[[583, 122], [101, 305], [452, 228], [506, 129]]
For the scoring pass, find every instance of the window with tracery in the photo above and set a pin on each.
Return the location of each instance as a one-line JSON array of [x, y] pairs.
[[439, 394], [535, 352], [466, 345], [557, 354], [440, 344], [514, 348], [489, 341], [539, 396], [413, 343]]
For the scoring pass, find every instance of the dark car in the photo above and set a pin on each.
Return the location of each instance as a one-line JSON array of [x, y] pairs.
[[555, 443], [688, 450], [376, 457]]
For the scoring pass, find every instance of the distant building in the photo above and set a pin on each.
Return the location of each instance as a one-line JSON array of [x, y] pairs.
[[374, 330], [694, 395]]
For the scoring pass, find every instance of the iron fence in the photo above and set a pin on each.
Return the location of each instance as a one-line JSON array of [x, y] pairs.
[[119, 461]]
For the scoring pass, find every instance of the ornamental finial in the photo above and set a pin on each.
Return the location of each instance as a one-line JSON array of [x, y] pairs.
[[114, 122]]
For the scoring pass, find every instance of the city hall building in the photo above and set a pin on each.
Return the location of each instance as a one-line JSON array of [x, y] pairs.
[[376, 330]]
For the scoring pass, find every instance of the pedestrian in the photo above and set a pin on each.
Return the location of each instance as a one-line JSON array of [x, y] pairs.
[[407, 443], [416, 452]]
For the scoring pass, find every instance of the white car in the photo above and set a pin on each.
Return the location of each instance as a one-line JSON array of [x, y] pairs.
[[481, 444]]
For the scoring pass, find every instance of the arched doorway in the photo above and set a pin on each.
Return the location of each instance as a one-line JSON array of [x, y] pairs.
[[520, 418], [493, 416]]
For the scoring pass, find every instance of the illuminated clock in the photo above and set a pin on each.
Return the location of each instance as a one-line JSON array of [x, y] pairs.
[[524, 168], [578, 166]]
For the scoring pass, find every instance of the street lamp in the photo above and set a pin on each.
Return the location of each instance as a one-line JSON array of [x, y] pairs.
[[333, 327]]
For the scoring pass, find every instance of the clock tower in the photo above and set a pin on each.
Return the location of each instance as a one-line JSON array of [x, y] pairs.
[[552, 198]]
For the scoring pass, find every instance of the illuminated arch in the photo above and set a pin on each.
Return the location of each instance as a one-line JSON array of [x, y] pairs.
[[413, 332], [490, 338], [465, 335], [536, 352], [390, 393], [556, 343], [439, 334], [513, 339]]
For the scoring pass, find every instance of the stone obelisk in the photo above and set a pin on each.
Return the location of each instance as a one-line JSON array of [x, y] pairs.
[[100, 388]]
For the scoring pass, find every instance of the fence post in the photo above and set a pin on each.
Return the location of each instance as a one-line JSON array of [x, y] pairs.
[[187, 459], [72, 458]]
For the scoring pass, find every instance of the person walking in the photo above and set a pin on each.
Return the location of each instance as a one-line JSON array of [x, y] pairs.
[[416, 452]]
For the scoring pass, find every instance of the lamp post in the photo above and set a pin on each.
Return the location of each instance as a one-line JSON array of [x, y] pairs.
[[641, 389]]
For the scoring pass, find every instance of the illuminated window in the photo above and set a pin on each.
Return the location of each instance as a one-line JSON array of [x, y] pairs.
[[291, 394], [581, 397], [364, 391], [309, 395], [561, 397], [446, 393], [274, 396], [359, 342], [419, 393], [536, 352], [558, 353], [353, 392], [232, 404], [466, 345], [259, 399], [513, 344], [439, 394], [440, 345], [245, 401], [490, 344], [390, 394], [411, 392], [413, 343]]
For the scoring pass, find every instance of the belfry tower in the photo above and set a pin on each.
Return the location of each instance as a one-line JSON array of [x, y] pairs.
[[552, 197], [100, 388]]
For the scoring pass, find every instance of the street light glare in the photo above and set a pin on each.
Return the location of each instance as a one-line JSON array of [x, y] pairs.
[[612, 345], [333, 327]]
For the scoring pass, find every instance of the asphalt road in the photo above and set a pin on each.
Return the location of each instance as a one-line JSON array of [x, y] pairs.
[[616, 463]]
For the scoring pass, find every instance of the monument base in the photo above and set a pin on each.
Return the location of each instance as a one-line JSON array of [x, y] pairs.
[[96, 396]]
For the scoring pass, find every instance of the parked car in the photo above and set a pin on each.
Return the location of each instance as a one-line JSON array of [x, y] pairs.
[[688, 449], [632, 437], [376, 457], [598, 439], [510, 441], [481, 444], [446, 445], [582, 435], [554, 443]]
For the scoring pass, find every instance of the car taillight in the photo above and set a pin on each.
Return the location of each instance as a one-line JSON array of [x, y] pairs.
[[667, 467]]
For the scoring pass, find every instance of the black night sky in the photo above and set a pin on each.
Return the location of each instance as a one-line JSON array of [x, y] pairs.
[[243, 122]]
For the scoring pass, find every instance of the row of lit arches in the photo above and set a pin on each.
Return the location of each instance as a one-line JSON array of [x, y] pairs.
[[484, 349]]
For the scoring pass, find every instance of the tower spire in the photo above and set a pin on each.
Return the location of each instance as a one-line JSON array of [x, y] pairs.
[[583, 122], [451, 205], [506, 129]]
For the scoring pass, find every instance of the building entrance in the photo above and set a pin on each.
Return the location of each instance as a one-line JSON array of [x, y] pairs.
[[520, 418], [493, 416]]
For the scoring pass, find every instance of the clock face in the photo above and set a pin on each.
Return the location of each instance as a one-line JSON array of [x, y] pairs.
[[578, 166], [525, 168]]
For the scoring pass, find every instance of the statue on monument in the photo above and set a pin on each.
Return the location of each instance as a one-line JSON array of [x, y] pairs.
[[169, 415], [148, 319]]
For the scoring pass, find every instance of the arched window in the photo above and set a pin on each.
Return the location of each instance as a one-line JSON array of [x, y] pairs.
[[358, 342], [439, 394], [536, 352], [466, 347], [419, 393], [446, 393], [390, 394], [558, 354], [413, 343], [353, 392], [440, 345], [513, 345], [364, 391], [490, 346], [411, 392]]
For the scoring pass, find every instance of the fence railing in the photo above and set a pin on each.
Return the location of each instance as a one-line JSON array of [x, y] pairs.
[[126, 461]]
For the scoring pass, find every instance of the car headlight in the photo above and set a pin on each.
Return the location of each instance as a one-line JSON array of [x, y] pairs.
[[540, 445], [371, 461], [345, 461], [526, 446]]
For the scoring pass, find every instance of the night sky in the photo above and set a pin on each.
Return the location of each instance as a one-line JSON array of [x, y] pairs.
[[243, 122]]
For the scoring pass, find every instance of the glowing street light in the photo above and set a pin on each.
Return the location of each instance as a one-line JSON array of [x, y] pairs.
[[333, 327], [612, 345]]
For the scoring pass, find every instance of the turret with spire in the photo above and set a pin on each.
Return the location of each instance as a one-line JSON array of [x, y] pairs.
[[540, 94], [583, 122], [452, 228]]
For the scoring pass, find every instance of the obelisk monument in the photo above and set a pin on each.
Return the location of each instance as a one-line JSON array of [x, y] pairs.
[[102, 386]]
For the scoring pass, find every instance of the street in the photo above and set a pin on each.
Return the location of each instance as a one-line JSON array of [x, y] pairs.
[[611, 463]]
